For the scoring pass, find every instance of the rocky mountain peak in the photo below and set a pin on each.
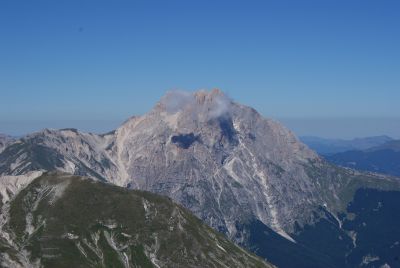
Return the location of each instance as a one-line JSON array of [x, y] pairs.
[[230, 166], [204, 96], [194, 144], [201, 105], [216, 157]]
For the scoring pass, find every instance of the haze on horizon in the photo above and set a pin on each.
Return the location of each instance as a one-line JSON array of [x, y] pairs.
[[324, 68]]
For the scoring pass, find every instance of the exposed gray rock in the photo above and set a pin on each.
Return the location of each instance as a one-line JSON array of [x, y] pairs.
[[235, 164], [5, 140], [220, 159], [60, 220]]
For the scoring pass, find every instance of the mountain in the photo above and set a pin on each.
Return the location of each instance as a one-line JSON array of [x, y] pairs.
[[393, 145], [218, 158], [245, 175], [66, 150], [331, 146], [59, 220], [382, 159], [188, 146], [5, 140]]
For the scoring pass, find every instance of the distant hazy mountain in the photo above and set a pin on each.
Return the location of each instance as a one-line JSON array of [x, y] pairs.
[[325, 146], [59, 220], [244, 175], [382, 159], [393, 145]]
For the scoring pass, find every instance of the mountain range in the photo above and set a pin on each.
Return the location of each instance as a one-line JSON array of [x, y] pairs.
[[326, 146], [384, 158], [244, 175]]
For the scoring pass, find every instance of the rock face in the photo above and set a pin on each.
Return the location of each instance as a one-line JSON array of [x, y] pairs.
[[4, 141], [223, 161], [218, 158], [67, 150], [59, 220]]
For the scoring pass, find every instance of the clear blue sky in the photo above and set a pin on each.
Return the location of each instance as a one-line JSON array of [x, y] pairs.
[[92, 64]]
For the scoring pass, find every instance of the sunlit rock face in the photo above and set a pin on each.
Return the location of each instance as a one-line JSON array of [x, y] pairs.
[[244, 175], [222, 160]]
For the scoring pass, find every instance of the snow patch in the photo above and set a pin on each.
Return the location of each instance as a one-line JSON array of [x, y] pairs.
[[220, 247], [110, 224], [126, 235], [126, 259], [81, 250], [146, 206], [395, 244], [353, 236], [71, 236], [368, 259]]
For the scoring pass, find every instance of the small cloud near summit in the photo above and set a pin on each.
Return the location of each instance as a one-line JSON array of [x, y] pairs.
[[214, 103]]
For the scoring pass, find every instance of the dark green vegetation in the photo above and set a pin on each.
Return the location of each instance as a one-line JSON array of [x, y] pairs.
[[366, 235], [265, 242], [376, 222], [69, 221], [371, 220], [339, 185]]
